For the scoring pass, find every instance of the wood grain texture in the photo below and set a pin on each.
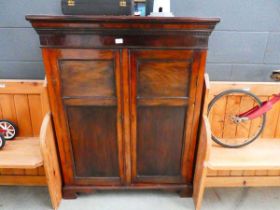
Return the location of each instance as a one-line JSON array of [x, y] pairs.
[[161, 142], [96, 128], [257, 181], [162, 84], [51, 164], [261, 155], [24, 153], [201, 163], [163, 78], [99, 74], [139, 32]]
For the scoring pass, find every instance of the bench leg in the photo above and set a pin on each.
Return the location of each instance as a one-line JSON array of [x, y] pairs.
[[199, 186]]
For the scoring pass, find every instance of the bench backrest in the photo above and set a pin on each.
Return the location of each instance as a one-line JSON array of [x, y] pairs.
[[264, 90], [25, 103]]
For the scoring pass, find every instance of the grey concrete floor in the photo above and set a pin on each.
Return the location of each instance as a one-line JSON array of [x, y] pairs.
[[37, 198]]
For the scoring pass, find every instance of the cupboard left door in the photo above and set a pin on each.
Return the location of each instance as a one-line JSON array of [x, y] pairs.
[[85, 95]]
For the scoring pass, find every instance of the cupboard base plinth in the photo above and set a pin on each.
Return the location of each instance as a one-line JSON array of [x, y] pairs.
[[186, 193], [72, 191]]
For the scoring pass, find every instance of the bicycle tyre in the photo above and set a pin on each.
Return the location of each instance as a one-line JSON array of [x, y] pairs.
[[228, 92]]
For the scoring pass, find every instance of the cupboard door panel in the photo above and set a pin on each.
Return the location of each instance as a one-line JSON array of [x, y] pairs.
[[87, 78], [160, 95], [163, 78], [160, 140], [93, 137]]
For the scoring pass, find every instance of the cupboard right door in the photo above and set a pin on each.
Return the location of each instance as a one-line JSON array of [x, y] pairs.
[[162, 97]]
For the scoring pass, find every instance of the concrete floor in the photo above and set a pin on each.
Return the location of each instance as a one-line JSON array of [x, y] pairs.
[[37, 198]]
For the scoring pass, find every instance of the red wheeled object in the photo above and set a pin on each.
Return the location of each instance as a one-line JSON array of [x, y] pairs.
[[8, 131]]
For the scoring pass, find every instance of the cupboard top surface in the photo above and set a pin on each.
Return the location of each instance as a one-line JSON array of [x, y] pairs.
[[123, 31]]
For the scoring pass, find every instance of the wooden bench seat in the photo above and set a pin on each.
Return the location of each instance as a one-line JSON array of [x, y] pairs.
[[30, 159], [21, 153], [263, 154], [255, 165]]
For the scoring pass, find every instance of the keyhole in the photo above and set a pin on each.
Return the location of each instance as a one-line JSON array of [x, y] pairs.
[[160, 9]]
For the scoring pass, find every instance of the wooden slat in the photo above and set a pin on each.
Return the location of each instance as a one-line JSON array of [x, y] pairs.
[[272, 119], [244, 130], [201, 167], [41, 171], [23, 115], [224, 173], [248, 181], [211, 172], [51, 165], [217, 117], [21, 86], [233, 104], [35, 110], [22, 154], [254, 87], [236, 172], [31, 172], [260, 155], [256, 122], [23, 180], [249, 173], [8, 107], [45, 99], [277, 131]]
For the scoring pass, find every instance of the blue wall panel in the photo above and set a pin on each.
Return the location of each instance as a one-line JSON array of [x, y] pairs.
[[232, 47], [245, 45]]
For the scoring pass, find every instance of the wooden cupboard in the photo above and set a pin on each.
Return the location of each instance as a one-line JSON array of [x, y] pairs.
[[125, 93]]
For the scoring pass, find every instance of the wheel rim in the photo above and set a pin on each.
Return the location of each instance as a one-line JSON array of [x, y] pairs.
[[225, 131], [9, 128]]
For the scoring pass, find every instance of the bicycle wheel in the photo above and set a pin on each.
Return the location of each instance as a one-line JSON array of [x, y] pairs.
[[222, 112]]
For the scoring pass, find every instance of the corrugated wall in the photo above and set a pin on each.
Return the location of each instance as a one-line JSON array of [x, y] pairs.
[[245, 46]]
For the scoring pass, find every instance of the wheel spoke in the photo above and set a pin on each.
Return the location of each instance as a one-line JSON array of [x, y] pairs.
[[243, 126]]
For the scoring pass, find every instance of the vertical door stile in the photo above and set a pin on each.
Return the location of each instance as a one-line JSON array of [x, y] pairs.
[[193, 113], [119, 95], [133, 112], [126, 115]]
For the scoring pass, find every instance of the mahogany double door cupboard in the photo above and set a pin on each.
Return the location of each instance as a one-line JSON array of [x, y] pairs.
[[125, 95]]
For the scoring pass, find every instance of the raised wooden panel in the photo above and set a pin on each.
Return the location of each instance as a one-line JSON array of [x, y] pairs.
[[163, 78], [87, 78], [160, 141], [93, 133]]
